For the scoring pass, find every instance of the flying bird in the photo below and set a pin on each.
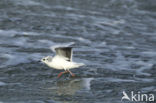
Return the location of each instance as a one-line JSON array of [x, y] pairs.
[[62, 60]]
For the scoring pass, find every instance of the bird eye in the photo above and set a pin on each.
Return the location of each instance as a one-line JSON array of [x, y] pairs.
[[43, 59]]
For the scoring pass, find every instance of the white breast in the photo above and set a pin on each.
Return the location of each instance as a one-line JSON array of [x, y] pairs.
[[59, 62]]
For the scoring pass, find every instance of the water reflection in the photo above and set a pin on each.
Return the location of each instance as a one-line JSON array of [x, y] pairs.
[[70, 87]]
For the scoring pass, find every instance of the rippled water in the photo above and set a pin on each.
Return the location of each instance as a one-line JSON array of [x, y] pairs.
[[116, 39]]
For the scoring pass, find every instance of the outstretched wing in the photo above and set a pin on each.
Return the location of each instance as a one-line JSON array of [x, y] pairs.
[[63, 50]]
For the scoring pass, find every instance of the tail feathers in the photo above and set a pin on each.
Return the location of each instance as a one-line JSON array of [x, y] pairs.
[[76, 65], [80, 64]]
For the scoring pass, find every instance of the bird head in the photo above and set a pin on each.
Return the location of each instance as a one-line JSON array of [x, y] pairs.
[[46, 59]]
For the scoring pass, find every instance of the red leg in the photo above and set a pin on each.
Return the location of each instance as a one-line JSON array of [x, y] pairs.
[[72, 74], [60, 74]]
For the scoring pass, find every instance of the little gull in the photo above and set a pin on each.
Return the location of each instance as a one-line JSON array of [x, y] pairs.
[[62, 59]]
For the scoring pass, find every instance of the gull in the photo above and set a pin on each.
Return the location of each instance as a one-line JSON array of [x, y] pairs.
[[62, 60]]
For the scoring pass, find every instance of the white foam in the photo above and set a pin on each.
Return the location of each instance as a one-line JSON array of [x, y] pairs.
[[11, 33], [119, 80], [151, 88], [2, 83], [149, 53], [26, 2], [87, 82], [14, 59], [83, 40], [109, 22], [8, 33]]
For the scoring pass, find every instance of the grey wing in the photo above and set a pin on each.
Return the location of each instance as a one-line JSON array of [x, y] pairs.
[[64, 52], [61, 45]]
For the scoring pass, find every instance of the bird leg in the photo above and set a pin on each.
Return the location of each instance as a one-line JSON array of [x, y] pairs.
[[60, 74], [72, 74]]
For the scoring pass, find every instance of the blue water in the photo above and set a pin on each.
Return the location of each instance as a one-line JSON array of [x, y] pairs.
[[115, 39]]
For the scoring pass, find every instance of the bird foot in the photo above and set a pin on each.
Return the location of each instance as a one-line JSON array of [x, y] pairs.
[[73, 75]]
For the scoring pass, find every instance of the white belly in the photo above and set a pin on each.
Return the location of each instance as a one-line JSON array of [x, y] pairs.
[[59, 63]]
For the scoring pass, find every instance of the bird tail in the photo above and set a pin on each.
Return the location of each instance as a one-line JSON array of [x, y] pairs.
[[80, 64], [76, 65]]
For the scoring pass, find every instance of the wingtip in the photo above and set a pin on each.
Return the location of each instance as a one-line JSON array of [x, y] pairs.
[[61, 45]]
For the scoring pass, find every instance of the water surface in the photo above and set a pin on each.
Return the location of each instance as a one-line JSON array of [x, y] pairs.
[[115, 39]]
